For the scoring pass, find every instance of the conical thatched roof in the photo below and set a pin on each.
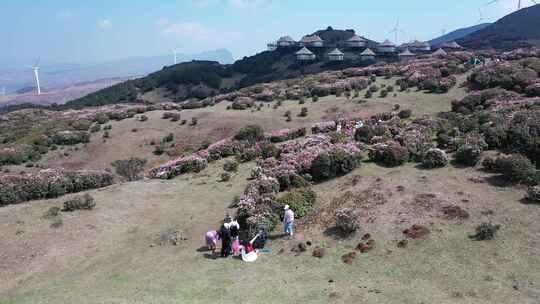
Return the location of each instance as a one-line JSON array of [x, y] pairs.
[[453, 45], [356, 38], [311, 39], [407, 53], [440, 52], [285, 39], [336, 52], [304, 51], [387, 43], [367, 52]]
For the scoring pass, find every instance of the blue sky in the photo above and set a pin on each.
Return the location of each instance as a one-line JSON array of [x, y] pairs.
[[101, 30]]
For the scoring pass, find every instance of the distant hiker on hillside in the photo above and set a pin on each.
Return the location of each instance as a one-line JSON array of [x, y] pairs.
[[288, 220], [211, 237], [225, 233]]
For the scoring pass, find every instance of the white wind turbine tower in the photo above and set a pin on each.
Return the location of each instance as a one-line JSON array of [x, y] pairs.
[[396, 30], [175, 57], [35, 67], [519, 3], [481, 17]]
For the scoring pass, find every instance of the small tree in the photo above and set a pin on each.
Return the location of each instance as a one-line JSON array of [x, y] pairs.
[[194, 121], [129, 168], [303, 112], [251, 133]]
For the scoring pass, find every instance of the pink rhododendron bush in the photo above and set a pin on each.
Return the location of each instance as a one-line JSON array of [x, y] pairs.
[[49, 183], [282, 135]]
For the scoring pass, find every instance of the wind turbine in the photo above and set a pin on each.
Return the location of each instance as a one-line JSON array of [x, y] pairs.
[[519, 3], [175, 57], [481, 16], [396, 30], [35, 67]]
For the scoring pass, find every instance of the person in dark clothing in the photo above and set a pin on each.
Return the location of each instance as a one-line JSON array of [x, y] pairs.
[[225, 232]]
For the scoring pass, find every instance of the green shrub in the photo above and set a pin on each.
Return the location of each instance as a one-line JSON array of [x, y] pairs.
[[435, 158], [247, 155], [383, 93], [101, 118], [315, 98], [70, 137], [85, 202], [159, 150], [168, 138], [106, 134], [130, 168], [81, 124], [404, 114], [329, 165], [390, 88], [291, 181], [194, 121], [390, 154], [468, 154], [230, 166], [368, 94], [303, 112], [373, 88], [518, 169], [95, 128], [300, 200], [143, 118], [269, 150], [251, 133]]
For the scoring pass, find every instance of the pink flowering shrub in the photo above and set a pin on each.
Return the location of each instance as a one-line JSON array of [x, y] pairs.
[[181, 165], [282, 135], [324, 127], [49, 183]]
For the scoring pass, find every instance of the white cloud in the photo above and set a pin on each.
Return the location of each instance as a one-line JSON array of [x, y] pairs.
[[196, 32], [65, 14], [104, 24]]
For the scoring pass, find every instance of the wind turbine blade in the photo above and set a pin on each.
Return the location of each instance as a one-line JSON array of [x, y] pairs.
[[491, 2]]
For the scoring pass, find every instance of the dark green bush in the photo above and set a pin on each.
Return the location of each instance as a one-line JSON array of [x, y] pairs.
[[168, 138], [70, 137], [303, 112], [404, 114], [300, 200], [329, 165], [101, 118], [129, 168], [251, 133], [85, 202], [48, 184], [230, 166], [269, 150], [248, 154], [95, 128], [468, 154], [389, 154], [518, 169]]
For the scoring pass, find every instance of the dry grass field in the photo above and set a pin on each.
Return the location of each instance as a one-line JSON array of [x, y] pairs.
[[115, 253], [107, 255]]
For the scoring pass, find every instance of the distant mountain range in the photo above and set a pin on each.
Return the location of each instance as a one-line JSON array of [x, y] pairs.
[[458, 34], [67, 74], [519, 29]]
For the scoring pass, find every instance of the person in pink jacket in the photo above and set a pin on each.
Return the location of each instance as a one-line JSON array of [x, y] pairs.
[[288, 221], [211, 237]]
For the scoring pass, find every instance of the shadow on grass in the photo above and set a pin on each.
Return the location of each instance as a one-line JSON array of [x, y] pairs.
[[336, 233], [498, 181], [528, 201], [211, 256]]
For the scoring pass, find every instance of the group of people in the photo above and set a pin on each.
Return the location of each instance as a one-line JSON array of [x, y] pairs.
[[229, 234]]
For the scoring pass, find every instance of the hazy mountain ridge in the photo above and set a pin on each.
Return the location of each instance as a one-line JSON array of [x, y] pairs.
[[458, 34], [519, 29]]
